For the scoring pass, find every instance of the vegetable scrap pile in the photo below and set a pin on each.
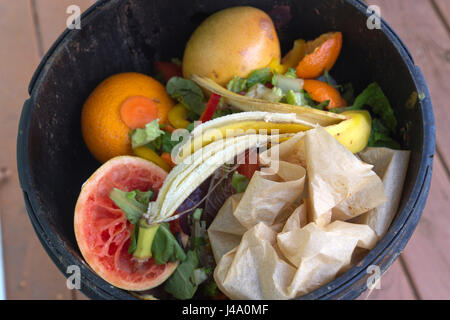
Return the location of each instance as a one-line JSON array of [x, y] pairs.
[[210, 190]]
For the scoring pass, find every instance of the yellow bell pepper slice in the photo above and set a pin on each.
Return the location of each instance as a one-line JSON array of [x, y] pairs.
[[152, 156], [177, 116], [276, 66]]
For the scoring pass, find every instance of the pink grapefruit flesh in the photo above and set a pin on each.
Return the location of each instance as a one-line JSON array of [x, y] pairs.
[[103, 232]]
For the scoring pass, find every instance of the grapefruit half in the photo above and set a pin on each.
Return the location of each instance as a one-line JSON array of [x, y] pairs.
[[103, 231]]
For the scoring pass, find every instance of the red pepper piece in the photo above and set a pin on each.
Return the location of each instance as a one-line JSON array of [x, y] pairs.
[[168, 69], [211, 107], [248, 169]]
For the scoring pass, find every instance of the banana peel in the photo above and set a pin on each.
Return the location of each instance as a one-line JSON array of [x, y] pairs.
[[196, 168], [244, 103], [353, 133], [243, 123]]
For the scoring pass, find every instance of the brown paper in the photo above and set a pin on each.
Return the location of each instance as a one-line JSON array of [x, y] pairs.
[[278, 241], [267, 196], [391, 166], [225, 232], [321, 253], [298, 219], [254, 270], [336, 175]]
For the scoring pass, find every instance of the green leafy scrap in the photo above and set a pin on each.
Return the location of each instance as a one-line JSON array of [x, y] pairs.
[[165, 247], [379, 136], [239, 182], [140, 137], [224, 112], [374, 97], [182, 284], [237, 84], [262, 76], [188, 93], [210, 289], [164, 143], [133, 240], [347, 93], [168, 142], [291, 73], [133, 203], [322, 105], [259, 76], [301, 98]]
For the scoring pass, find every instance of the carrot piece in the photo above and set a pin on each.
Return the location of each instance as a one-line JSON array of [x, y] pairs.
[[321, 54], [167, 158], [137, 111], [321, 91]]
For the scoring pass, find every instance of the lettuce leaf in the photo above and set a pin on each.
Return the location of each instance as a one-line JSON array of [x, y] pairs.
[[291, 73], [165, 247], [379, 136], [262, 76], [141, 137], [188, 93], [237, 84], [374, 97], [133, 203], [259, 76], [182, 283], [301, 98]]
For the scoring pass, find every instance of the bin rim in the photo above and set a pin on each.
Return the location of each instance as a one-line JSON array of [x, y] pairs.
[[392, 243]]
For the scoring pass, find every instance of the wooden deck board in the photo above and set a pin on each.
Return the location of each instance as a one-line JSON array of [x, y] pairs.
[[427, 255], [394, 285], [444, 7], [30, 274]]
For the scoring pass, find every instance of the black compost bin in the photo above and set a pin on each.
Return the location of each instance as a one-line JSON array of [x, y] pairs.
[[129, 35]]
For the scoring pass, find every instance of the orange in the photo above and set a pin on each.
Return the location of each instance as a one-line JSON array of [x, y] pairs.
[[293, 57], [321, 92], [320, 54], [104, 132]]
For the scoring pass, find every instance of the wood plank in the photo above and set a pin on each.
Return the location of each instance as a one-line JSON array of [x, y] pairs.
[[427, 256], [80, 296], [30, 274], [52, 18], [444, 7], [394, 285], [423, 32]]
